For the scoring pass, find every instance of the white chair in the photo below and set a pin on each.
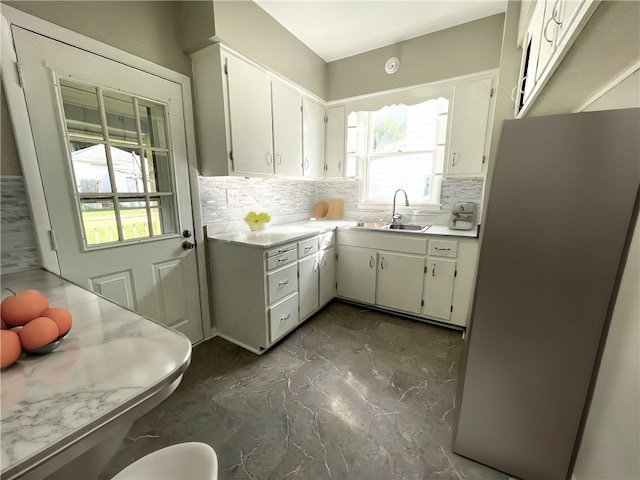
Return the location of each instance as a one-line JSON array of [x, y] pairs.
[[184, 461]]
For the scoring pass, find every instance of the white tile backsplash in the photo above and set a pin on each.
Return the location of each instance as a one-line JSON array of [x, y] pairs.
[[19, 249], [292, 200]]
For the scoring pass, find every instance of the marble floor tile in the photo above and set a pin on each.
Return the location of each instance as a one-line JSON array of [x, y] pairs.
[[352, 394]]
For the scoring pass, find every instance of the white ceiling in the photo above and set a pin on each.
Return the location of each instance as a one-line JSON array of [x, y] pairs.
[[336, 29]]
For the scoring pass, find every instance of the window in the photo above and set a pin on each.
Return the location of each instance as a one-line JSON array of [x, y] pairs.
[[121, 163], [399, 146]]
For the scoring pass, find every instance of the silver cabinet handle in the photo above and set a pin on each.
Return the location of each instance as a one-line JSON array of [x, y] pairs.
[[306, 163], [315, 266], [326, 242], [283, 282], [382, 263], [443, 249], [554, 12], [371, 262], [453, 160], [279, 159], [324, 262], [433, 270], [308, 248], [282, 319], [269, 158], [513, 93], [285, 259], [544, 31]]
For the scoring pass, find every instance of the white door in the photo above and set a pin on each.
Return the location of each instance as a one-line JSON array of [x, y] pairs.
[[438, 292], [327, 261], [111, 148], [313, 138], [308, 285], [399, 282], [357, 274]]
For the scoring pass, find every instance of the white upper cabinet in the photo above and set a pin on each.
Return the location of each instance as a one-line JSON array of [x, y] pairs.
[[335, 149], [552, 29], [469, 128], [313, 117], [249, 93], [287, 129]]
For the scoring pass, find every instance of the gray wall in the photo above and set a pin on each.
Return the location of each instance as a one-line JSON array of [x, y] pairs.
[[247, 29], [464, 49], [148, 29]]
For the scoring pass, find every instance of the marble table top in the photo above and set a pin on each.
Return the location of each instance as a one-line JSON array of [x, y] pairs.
[[111, 360]]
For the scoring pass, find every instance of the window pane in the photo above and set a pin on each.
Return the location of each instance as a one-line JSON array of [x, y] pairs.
[[82, 115], [133, 215], [159, 171], [121, 122], [127, 169], [99, 220], [152, 124], [411, 172], [89, 162], [163, 215], [401, 128]]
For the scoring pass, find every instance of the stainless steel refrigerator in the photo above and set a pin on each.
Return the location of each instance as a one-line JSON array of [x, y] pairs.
[[561, 207]]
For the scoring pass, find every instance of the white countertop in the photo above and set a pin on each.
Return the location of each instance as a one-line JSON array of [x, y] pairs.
[[111, 360], [278, 234]]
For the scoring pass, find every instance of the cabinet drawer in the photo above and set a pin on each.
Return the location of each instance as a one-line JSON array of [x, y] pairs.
[[282, 259], [282, 249], [282, 317], [283, 282], [443, 248], [307, 247], [327, 239]]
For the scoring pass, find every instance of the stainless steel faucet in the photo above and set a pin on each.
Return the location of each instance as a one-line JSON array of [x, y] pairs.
[[395, 215]]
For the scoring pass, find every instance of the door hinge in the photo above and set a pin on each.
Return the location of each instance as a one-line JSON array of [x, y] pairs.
[[422, 302], [484, 158], [451, 309], [52, 239], [425, 269], [455, 273], [226, 67], [20, 72], [491, 92], [231, 155], [336, 256], [326, 119]]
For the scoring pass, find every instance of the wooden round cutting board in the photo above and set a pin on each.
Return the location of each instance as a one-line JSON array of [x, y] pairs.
[[320, 209], [336, 205]]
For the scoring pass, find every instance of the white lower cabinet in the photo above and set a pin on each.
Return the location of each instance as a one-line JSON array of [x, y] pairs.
[[283, 316], [327, 265], [423, 275], [308, 285], [438, 291], [357, 274], [399, 282]]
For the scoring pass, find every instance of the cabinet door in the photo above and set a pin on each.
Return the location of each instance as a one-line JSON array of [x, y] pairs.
[[357, 274], [438, 292], [468, 130], [399, 282], [327, 261], [531, 52], [547, 36], [308, 285], [249, 93], [287, 130], [312, 139], [336, 148], [566, 13]]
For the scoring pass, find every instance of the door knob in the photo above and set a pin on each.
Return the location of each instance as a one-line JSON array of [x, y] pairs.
[[187, 245], [186, 233]]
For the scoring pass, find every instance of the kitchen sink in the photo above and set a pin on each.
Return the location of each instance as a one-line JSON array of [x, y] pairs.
[[400, 227], [407, 227]]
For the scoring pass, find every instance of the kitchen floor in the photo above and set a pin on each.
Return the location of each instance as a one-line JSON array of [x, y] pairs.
[[352, 394]]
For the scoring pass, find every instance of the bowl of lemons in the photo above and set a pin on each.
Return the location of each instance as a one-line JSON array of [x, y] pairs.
[[257, 221]]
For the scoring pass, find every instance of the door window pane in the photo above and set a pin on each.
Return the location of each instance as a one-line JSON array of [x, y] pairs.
[[121, 120], [99, 221], [127, 169], [89, 163], [82, 115], [163, 215], [152, 124], [159, 171], [133, 215]]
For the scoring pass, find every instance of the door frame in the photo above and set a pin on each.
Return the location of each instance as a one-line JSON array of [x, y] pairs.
[[25, 144]]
